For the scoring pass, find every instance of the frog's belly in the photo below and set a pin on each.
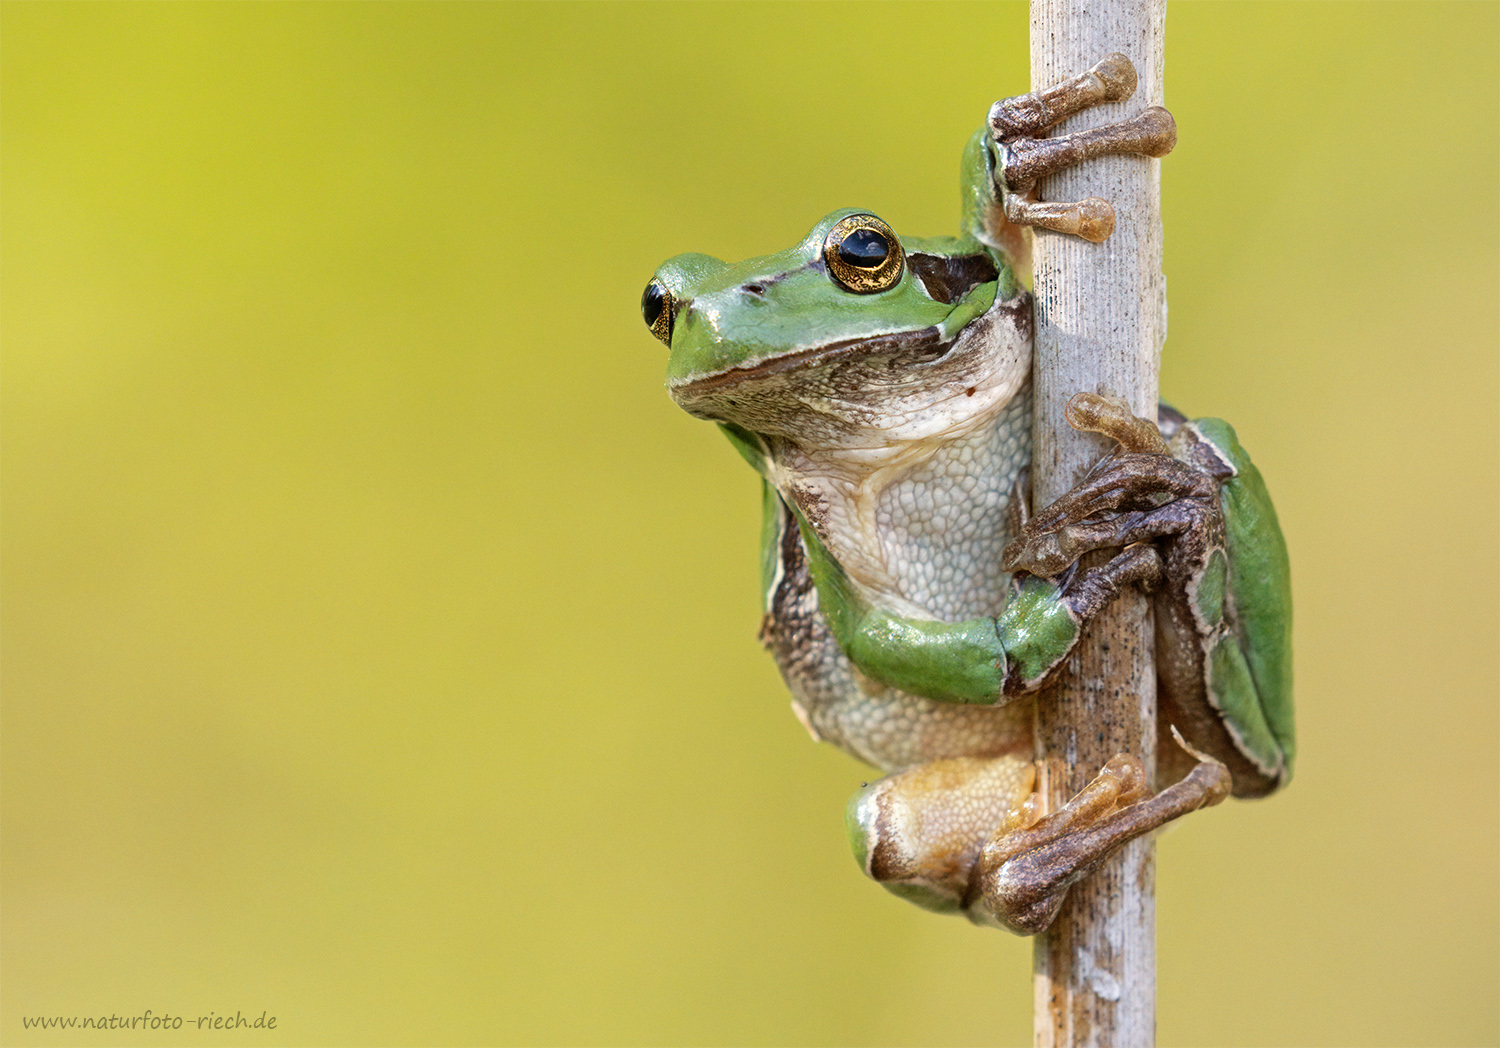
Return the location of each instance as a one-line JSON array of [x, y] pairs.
[[885, 727], [941, 531], [894, 731]]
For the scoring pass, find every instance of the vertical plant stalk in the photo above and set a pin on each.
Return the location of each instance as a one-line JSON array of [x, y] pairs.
[[1101, 320]]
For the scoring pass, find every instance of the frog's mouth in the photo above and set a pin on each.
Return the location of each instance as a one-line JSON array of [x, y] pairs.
[[873, 391], [834, 393], [899, 349]]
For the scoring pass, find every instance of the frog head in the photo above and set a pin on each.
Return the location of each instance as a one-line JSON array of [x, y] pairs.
[[854, 340]]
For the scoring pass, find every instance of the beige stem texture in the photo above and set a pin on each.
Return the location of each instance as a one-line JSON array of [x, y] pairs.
[[1101, 321]]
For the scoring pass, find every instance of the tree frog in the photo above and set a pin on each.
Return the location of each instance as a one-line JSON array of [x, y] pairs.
[[880, 386]]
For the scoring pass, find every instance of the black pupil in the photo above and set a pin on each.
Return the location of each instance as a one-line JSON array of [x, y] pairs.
[[864, 249], [652, 301]]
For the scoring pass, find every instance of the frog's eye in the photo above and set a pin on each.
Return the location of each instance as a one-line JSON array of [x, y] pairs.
[[656, 308], [863, 255]]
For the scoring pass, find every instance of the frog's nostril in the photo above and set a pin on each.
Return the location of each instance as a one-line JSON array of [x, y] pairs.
[[754, 289]]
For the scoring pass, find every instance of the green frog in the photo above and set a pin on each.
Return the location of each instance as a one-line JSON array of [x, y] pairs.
[[879, 384]]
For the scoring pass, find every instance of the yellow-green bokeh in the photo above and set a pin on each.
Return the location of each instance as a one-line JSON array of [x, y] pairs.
[[379, 640]]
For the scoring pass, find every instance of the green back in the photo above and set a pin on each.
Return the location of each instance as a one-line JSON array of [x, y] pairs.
[[1259, 584]]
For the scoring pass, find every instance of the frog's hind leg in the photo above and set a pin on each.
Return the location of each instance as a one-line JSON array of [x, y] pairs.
[[970, 835], [1024, 872], [920, 832]]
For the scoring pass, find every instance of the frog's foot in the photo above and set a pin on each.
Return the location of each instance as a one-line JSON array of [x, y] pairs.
[[1022, 158], [1140, 493], [1024, 872], [968, 834], [1132, 499]]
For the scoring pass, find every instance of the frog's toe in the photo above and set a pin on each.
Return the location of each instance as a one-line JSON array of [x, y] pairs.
[[1051, 553], [1092, 219], [1111, 416], [1151, 132], [1022, 157], [1024, 874], [1128, 498], [1111, 79]]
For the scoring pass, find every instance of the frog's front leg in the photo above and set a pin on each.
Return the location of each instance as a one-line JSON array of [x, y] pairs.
[[1022, 156], [968, 834], [1223, 600], [984, 661]]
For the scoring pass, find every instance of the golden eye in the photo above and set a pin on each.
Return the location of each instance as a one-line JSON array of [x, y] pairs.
[[656, 310], [863, 255]]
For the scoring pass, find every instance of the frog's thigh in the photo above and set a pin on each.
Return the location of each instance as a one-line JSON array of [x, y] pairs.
[[919, 832]]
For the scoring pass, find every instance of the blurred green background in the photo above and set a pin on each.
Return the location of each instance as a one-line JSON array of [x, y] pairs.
[[379, 639]]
